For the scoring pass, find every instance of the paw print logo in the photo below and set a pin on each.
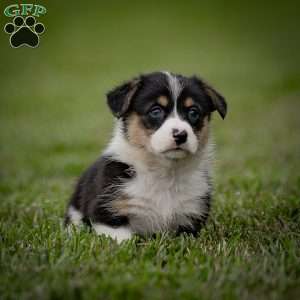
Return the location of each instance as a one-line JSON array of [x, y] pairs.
[[24, 32]]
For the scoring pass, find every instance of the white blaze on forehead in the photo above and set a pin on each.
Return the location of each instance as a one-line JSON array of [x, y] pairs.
[[175, 86]]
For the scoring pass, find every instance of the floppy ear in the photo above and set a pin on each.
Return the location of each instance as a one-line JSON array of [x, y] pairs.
[[217, 100], [119, 99]]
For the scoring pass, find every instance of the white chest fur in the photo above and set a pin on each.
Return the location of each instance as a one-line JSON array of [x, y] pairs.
[[161, 200], [162, 195]]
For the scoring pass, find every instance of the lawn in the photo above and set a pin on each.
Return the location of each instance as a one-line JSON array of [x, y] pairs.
[[54, 122]]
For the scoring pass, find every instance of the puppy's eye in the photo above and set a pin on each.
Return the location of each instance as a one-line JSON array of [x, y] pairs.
[[156, 113], [194, 115]]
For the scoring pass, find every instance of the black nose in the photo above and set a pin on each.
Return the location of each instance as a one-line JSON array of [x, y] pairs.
[[180, 137]]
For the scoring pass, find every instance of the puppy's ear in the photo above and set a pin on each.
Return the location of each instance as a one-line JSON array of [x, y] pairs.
[[217, 100], [119, 99]]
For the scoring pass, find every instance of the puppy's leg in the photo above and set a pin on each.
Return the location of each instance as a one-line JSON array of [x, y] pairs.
[[193, 228], [73, 216], [119, 233]]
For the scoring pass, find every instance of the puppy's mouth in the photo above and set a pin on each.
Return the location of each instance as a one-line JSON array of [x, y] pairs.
[[175, 153], [176, 149]]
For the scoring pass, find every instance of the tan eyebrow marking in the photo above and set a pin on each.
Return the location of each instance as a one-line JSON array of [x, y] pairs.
[[163, 100], [188, 102]]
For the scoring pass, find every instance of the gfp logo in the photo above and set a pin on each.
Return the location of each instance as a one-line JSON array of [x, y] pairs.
[[24, 30]]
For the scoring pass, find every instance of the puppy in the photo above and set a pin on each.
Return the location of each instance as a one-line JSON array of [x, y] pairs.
[[155, 174]]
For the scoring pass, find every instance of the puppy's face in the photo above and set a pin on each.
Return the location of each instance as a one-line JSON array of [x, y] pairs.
[[166, 114]]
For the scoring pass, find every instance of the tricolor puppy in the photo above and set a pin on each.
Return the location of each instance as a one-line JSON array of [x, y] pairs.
[[155, 175]]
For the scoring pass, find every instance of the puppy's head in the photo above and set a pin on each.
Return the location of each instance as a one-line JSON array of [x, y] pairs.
[[166, 114]]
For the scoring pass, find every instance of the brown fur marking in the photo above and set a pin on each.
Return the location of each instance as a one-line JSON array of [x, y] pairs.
[[163, 100], [137, 133], [188, 102]]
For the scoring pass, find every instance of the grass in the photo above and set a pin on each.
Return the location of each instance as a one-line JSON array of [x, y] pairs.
[[54, 122]]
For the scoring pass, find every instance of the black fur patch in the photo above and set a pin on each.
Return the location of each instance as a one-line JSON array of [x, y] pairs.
[[152, 87], [97, 187], [216, 100]]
